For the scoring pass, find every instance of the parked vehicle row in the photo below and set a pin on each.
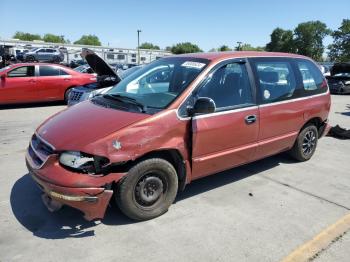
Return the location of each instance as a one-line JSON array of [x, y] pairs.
[[175, 120]]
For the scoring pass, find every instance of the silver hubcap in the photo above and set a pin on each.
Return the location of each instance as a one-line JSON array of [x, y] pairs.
[[309, 143]]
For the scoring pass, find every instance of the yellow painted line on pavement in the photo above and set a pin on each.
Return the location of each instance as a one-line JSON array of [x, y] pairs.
[[320, 242]]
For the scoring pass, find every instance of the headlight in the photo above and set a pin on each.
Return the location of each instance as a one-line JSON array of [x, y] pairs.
[[82, 162], [75, 159]]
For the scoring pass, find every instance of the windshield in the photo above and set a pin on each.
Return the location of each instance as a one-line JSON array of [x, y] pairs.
[[125, 73], [80, 68], [34, 49], [5, 68], [157, 84]]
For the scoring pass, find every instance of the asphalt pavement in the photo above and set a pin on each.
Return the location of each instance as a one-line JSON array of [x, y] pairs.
[[259, 212]]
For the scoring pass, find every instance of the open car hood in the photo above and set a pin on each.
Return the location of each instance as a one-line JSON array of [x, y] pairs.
[[340, 68], [100, 67]]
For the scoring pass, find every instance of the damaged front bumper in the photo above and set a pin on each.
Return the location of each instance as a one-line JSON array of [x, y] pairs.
[[92, 202], [87, 193]]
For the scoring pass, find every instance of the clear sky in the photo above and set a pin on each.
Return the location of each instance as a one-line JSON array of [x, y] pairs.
[[206, 23]]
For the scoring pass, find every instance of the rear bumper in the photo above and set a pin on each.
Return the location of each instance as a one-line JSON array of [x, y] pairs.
[[91, 201]]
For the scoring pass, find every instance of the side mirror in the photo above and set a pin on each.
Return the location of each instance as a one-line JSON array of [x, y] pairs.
[[203, 105]]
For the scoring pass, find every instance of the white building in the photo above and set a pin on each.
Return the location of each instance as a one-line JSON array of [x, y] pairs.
[[72, 51]]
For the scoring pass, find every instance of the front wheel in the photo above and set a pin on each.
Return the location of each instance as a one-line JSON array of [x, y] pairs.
[[306, 143], [148, 189]]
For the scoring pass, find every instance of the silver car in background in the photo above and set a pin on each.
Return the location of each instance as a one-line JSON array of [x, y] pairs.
[[44, 55]]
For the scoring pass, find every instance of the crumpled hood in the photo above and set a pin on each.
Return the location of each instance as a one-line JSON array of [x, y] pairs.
[[76, 127]]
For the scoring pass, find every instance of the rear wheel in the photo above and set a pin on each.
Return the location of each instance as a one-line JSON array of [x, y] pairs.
[[56, 59], [306, 143], [30, 59], [148, 190]]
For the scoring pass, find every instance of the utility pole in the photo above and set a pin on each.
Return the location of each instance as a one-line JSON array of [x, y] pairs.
[[138, 45], [239, 45]]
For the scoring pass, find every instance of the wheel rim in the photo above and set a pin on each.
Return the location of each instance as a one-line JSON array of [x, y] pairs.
[[309, 142], [149, 190]]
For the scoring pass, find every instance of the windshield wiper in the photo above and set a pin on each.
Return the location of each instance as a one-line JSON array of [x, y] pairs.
[[127, 99]]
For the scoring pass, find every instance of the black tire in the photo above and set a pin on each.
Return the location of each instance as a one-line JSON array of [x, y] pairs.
[[306, 143], [56, 59], [66, 95], [148, 190], [30, 59]]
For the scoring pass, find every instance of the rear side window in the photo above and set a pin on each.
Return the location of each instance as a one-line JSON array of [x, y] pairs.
[[51, 71], [312, 79], [24, 71], [275, 78]]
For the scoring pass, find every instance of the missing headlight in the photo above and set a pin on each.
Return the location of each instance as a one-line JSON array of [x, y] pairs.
[[82, 162]]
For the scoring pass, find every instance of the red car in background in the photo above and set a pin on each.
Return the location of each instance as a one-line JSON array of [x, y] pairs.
[[39, 82]]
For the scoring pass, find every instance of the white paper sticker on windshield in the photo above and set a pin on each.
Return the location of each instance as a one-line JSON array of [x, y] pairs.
[[193, 64]]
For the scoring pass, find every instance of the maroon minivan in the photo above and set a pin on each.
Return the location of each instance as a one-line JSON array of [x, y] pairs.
[[175, 120]]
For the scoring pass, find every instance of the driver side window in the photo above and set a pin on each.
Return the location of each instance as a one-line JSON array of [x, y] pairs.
[[24, 71], [228, 86]]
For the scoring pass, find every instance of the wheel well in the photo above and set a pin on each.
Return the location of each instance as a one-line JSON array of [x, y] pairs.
[[173, 156], [65, 92], [317, 122]]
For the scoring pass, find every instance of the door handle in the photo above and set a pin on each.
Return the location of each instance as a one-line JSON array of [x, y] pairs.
[[67, 79], [250, 119], [32, 81]]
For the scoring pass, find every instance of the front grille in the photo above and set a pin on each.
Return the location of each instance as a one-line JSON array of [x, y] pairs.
[[36, 160], [39, 151], [75, 95]]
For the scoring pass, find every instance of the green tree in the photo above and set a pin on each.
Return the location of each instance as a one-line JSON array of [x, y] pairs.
[[339, 51], [309, 39], [54, 38], [147, 45], [281, 41], [183, 48], [26, 36], [224, 48], [249, 47], [88, 40]]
